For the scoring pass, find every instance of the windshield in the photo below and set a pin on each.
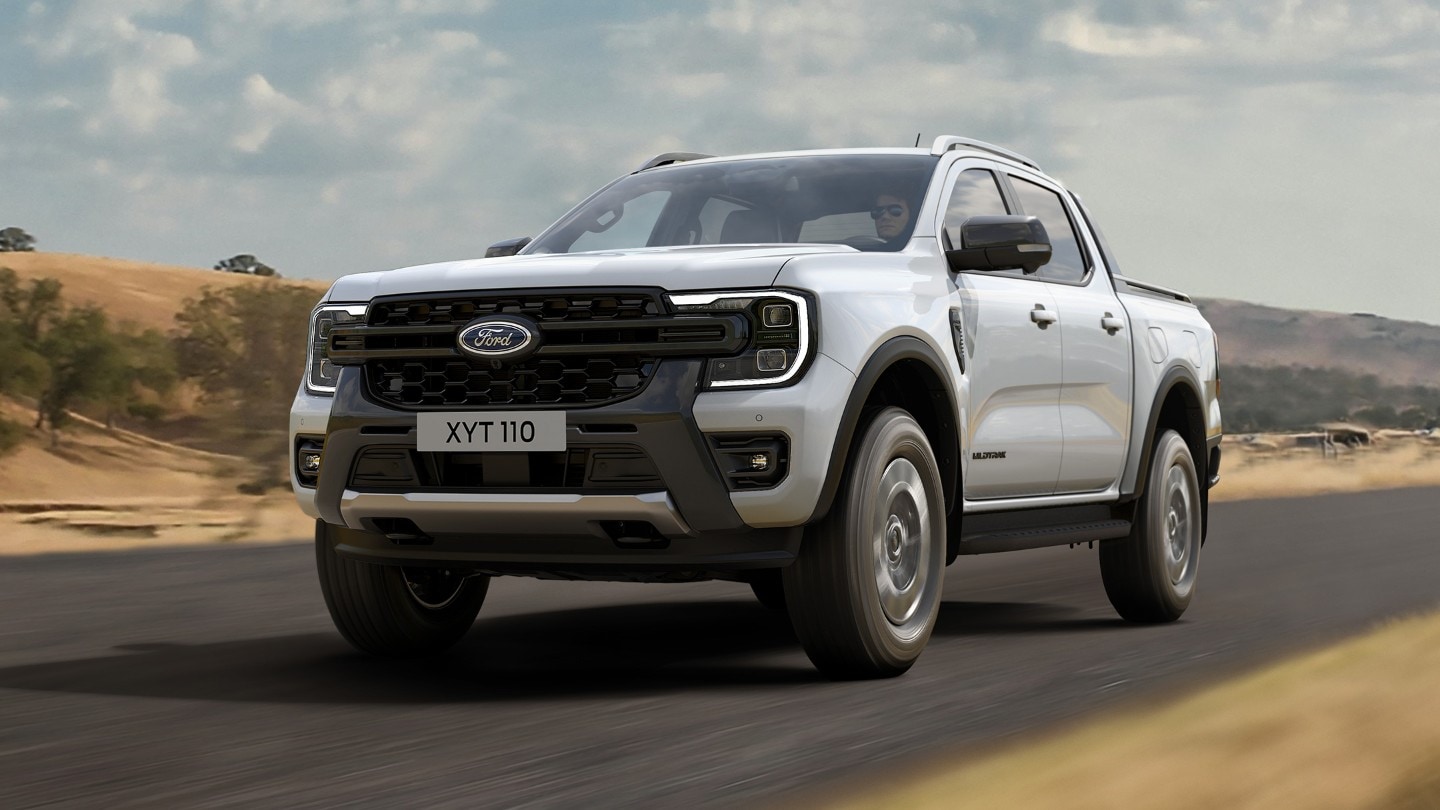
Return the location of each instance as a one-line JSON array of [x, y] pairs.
[[867, 201]]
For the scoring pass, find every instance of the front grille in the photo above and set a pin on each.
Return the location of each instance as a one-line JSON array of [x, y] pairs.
[[572, 379], [594, 347]]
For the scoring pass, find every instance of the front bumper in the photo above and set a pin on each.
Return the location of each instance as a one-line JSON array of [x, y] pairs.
[[690, 523], [514, 514]]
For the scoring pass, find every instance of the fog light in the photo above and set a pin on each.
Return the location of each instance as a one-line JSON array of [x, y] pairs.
[[753, 461], [771, 360], [777, 315], [310, 462]]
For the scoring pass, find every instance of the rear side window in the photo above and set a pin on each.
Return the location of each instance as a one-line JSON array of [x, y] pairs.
[[1106, 253], [1066, 263]]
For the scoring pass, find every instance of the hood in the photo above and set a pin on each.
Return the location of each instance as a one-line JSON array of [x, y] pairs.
[[672, 268]]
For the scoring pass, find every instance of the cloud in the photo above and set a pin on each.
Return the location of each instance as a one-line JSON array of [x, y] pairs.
[[137, 62], [1199, 45], [360, 134], [1085, 33], [266, 108], [315, 13]]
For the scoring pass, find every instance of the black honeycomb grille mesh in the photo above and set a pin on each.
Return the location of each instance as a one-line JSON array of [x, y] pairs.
[[574, 379]]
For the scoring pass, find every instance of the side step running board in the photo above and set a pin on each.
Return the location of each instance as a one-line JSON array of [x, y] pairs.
[[983, 541]]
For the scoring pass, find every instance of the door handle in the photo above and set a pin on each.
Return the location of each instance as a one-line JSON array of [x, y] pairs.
[[1042, 316], [1111, 324]]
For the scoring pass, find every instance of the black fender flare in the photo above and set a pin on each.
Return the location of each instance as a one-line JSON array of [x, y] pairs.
[[1176, 376], [895, 350]]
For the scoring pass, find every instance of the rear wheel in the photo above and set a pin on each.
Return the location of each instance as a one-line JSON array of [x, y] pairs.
[[865, 590], [394, 610], [1150, 575]]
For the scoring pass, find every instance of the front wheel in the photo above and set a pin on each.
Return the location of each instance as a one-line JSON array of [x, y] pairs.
[[393, 610], [769, 588], [1150, 575], [864, 591]]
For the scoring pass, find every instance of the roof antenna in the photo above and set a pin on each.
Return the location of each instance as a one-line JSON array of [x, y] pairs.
[[917, 140]]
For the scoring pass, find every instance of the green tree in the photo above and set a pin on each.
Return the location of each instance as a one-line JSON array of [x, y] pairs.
[[85, 361], [11, 434], [147, 364], [67, 358], [1377, 416], [1415, 418], [245, 263], [16, 239], [33, 307], [23, 313], [245, 346]]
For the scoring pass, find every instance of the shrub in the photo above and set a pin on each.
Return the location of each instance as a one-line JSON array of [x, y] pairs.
[[11, 434]]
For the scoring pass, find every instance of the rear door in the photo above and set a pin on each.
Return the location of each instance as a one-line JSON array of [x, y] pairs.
[[1095, 397]]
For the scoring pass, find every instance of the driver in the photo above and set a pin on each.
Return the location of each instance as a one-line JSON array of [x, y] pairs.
[[892, 218]]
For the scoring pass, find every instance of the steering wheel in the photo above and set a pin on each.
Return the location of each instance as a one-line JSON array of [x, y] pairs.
[[864, 242]]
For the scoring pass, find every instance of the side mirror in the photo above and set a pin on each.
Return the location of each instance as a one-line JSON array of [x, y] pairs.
[[508, 247], [1000, 243]]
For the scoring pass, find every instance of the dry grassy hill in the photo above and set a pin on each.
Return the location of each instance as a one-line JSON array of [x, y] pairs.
[[101, 487], [147, 295], [109, 489], [1398, 352], [113, 488]]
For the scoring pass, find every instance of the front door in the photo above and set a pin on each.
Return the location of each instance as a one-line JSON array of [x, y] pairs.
[[1013, 357]]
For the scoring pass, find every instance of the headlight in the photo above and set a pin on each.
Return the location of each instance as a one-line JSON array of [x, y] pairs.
[[320, 373], [782, 329]]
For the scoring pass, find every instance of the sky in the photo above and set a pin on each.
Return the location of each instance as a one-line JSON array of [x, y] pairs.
[[1276, 151]]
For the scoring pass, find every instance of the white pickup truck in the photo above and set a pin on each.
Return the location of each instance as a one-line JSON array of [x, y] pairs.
[[825, 373]]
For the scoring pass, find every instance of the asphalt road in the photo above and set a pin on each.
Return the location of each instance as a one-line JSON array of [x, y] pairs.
[[211, 676]]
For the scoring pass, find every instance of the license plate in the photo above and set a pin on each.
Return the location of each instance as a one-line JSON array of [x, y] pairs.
[[493, 432]]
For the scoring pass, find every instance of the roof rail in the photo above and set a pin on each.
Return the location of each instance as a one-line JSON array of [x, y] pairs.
[[945, 143], [667, 158]]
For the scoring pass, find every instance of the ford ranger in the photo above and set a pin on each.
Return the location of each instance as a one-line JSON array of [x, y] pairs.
[[827, 374]]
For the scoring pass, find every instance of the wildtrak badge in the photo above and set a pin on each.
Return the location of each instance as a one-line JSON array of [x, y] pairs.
[[989, 454]]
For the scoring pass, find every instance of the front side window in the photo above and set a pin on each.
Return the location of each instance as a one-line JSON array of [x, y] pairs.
[[1066, 263], [976, 193], [866, 201]]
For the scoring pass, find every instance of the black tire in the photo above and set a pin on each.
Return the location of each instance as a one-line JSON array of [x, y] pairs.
[[768, 588], [1150, 575], [865, 589], [394, 611]]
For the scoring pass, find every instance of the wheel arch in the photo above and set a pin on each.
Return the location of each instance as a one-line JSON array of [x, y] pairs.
[[1178, 406], [904, 372]]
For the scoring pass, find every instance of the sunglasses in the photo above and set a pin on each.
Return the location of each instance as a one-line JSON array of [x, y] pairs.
[[881, 210]]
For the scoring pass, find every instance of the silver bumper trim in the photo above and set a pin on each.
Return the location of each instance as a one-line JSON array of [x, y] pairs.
[[529, 513]]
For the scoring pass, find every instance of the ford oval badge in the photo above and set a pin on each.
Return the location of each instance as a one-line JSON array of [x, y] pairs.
[[495, 338]]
